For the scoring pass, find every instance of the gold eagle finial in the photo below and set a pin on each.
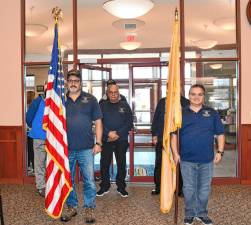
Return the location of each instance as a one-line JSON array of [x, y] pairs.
[[57, 13]]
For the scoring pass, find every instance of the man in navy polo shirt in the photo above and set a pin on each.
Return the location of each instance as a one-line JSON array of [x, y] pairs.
[[117, 120], [82, 109], [199, 126], [157, 129]]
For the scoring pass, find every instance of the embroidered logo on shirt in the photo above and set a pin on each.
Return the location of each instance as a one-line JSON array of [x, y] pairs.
[[84, 100], [206, 113], [121, 110]]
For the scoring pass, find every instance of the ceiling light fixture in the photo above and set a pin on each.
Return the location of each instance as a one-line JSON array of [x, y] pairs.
[[34, 29], [216, 66], [225, 23], [205, 44], [128, 9], [130, 43]]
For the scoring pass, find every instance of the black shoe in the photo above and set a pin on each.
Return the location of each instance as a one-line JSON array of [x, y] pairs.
[[68, 214], [188, 220], [41, 192], [102, 192], [155, 191], [123, 193], [180, 194], [205, 220]]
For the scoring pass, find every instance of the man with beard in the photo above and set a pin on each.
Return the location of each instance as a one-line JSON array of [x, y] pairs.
[[82, 111]]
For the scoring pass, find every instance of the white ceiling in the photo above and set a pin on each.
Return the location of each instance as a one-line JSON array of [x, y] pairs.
[[95, 30]]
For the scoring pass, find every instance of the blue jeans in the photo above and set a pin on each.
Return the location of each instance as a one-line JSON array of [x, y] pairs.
[[197, 178], [85, 160]]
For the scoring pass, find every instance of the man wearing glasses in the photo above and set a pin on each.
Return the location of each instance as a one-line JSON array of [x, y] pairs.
[[196, 140], [117, 120], [82, 109]]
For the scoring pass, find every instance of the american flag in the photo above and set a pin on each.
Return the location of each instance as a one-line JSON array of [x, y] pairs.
[[58, 178]]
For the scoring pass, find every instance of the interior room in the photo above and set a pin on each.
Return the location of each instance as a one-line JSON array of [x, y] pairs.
[[131, 47]]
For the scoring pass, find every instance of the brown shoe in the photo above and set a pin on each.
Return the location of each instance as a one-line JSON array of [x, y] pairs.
[[69, 213], [89, 215]]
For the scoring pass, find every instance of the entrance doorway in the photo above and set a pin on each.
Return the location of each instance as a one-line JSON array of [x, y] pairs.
[[146, 92], [142, 90]]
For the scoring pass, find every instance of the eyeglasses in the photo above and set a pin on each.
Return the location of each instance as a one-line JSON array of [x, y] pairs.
[[113, 92], [73, 81], [194, 94]]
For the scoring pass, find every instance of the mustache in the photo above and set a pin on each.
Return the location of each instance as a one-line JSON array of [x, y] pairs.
[[73, 86]]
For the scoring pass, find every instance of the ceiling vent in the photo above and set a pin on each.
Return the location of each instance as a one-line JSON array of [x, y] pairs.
[[128, 25]]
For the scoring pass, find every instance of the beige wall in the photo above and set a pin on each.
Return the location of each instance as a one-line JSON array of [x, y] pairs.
[[10, 45], [10, 59], [245, 66]]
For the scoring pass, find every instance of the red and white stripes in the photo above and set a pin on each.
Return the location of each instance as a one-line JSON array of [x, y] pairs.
[[58, 179]]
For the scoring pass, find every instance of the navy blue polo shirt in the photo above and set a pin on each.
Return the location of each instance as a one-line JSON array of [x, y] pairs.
[[116, 117], [197, 134], [79, 117], [157, 127]]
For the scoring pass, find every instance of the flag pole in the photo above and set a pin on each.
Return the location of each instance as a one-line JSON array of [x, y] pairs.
[[176, 203], [58, 177]]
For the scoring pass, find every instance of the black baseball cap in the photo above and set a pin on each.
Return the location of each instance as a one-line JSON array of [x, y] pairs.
[[75, 73], [109, 82]]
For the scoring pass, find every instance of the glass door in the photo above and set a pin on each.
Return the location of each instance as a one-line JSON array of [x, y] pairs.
[[146, 91], [94, 82], [94, 79]]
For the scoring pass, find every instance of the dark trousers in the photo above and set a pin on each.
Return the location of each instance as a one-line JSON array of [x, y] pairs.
[[30, 152], [119, 148], [157, 168]]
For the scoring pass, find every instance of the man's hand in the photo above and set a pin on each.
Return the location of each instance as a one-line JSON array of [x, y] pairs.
[[154, 140], [176, 158], [112, 136], [217, 158], [96, 149]]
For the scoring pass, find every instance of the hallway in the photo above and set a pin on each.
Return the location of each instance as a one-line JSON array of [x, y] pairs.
[[229, 205]]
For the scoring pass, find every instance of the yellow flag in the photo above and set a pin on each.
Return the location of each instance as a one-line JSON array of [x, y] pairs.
[[173, 120]]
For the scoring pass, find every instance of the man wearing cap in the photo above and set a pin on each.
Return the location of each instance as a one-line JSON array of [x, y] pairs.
[[105, 96], [82, 110], [117, 122]]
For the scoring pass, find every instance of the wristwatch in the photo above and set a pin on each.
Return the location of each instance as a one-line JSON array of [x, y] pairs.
[[99, 144], [220, 152]]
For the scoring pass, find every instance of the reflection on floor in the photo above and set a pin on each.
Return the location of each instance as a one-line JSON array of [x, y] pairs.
[[228, 166], [228, 205], [144, 164]]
